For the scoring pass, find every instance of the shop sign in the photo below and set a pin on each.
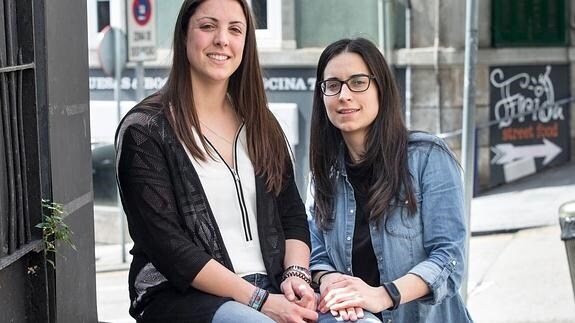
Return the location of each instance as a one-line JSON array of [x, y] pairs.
[[528, 104]]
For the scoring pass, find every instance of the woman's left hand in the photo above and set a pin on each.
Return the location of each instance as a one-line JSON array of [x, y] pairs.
[[297, 290], [350, 292]]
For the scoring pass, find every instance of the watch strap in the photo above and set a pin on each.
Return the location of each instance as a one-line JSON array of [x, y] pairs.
[[394, 294]]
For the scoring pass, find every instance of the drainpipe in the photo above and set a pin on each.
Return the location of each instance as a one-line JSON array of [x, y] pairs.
[[380, 36], [385, 28], [436, 66], [408, 95], [468, 139]]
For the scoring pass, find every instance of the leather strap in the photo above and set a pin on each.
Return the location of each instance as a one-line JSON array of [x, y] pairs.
[[320, 276]]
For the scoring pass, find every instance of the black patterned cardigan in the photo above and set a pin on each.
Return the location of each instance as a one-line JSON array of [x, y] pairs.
[[169, 218]]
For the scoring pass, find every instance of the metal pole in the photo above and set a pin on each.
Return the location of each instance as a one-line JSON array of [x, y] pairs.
[[408, 95], [385, 29], [140, 81], [380, 35], [118, 20], [468, 144], [388, 16], [117, 89], [436, 65]]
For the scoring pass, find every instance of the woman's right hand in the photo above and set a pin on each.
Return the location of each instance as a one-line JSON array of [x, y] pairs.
[[280, 309], [347, 314]]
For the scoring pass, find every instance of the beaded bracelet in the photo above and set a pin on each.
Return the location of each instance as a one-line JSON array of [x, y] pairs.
[[259, 297], [297, 271]]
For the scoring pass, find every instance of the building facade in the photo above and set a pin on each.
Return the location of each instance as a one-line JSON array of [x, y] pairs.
[[45, 156], [523, 73]]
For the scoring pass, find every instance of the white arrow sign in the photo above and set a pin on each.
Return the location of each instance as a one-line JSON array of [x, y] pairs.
[[506, 153]]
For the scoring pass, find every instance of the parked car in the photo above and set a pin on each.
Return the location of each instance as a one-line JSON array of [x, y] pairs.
[[104, 173]]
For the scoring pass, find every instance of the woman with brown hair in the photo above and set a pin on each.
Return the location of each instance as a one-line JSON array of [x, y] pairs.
[[385, 205], [207, 185]]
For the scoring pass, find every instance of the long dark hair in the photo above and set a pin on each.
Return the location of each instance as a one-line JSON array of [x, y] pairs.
[[386, 140], [267, 147]]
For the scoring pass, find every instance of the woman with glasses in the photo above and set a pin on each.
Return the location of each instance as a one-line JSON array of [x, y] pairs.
[[206, 181], [385, 206]]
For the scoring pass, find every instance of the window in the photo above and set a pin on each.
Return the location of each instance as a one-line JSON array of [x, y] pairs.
[[19, 162], [268, 16], [98, 18], [530, 23], [260, 10], [103, 14]]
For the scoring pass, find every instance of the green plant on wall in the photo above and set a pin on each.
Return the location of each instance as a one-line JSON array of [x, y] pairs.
[[53, 228]]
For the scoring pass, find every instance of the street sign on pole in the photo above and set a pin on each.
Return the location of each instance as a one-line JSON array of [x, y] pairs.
[[141, 30], [107, 51]]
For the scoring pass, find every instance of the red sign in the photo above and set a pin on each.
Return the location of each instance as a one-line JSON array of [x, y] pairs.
[[142, 11]]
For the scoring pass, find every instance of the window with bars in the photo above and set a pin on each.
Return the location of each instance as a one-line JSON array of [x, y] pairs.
[[20, 202]]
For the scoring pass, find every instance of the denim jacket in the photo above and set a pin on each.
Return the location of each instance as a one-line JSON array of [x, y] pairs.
[[429, 243]]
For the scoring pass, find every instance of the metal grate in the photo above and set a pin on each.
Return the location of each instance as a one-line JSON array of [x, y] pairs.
[[18, 110]]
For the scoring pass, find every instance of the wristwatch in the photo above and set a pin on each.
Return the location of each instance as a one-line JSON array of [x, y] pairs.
[[393, 294]]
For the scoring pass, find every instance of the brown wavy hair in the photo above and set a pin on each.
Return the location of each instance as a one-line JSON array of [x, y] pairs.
[[386, 140], [267, 147]]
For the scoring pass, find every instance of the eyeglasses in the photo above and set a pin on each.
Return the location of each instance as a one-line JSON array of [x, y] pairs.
[[356, 83]]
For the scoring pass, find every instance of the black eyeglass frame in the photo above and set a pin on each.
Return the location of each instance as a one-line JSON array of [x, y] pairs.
[[321, 84]]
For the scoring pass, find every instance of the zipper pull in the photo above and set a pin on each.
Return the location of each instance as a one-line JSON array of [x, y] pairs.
[[236, 177]]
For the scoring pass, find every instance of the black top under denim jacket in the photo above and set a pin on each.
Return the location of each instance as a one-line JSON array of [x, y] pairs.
[[170, 221]]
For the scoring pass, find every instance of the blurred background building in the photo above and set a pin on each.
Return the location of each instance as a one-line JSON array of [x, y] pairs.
[[524, 44], [523, 75]]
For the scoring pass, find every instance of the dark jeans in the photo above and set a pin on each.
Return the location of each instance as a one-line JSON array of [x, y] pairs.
[[261, 281]]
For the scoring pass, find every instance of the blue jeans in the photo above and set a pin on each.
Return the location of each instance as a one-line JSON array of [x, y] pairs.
[[233, 311]]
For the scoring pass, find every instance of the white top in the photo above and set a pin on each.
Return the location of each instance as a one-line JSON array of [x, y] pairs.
[[231, 193]]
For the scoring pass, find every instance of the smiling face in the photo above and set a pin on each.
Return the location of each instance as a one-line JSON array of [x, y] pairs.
[[215, 40], [351, 112]]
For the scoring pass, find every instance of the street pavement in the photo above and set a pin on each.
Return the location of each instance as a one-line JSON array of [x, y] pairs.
[[520, 277], [518, 270], [528, 202]]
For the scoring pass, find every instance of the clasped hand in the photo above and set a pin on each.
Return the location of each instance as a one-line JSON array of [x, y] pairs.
[[348, 296], [297, 304]]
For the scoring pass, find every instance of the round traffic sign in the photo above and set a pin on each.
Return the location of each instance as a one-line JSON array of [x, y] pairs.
[[142, 11], [107, 50]]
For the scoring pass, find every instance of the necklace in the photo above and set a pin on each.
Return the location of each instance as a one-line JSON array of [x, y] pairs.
[[228, 98], [217, 134]]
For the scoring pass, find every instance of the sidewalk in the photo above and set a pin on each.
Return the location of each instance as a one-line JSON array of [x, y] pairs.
[[519, 276], [112, 284], [528, 202]]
